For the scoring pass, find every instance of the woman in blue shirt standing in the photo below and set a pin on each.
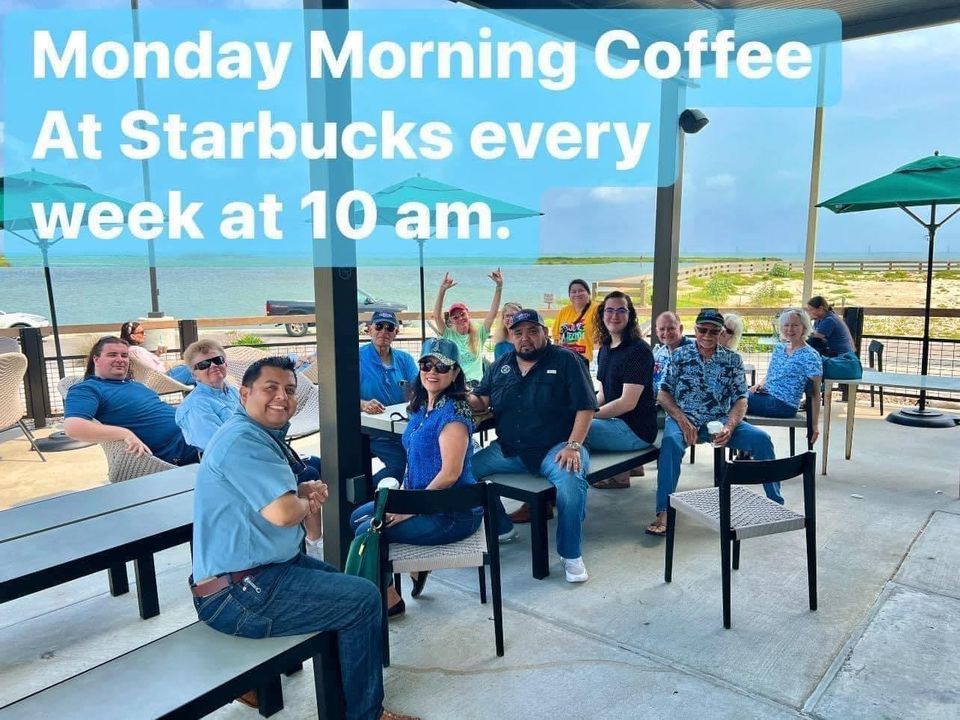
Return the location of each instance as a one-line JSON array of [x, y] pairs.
[[439, 456]]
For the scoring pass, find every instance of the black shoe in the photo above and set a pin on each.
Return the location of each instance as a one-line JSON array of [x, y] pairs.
[[396, 610], [419, 582]]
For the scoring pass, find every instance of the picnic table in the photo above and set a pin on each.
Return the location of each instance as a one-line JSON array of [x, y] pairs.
[[883, 379]]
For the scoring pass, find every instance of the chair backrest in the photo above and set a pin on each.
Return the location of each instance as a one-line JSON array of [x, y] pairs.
[[853, 319], [239, 358], [64, 385], [756, 472], [876, 350], [9, 345], [159, 382], [122, 465], [13, 366]]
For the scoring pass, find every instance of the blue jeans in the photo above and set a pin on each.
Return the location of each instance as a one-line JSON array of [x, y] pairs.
[[182, 374], [392, 455], [614, 435], [745, 437], [571, 492], [438, 529], [766, 405], [305, 595]]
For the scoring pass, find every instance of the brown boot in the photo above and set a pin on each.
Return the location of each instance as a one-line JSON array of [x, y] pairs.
[[250, 699], [637, 472]]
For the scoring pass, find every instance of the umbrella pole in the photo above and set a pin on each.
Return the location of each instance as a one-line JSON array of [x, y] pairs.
[[423, 302], [53, 308], [925, 349]]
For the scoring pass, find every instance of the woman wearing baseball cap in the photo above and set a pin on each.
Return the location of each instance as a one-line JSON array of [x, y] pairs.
[[468, 336]]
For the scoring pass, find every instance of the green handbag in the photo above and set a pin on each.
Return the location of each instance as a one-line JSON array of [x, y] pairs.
[[843, 367], [363, 558]]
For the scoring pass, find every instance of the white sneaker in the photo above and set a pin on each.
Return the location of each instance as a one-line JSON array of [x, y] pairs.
[[509, 536], [575, 570], [314, 548]]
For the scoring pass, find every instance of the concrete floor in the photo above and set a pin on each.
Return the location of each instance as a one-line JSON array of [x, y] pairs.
[[625, 644]]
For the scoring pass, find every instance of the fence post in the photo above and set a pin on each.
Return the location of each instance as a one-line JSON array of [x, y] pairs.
[[188, 333], [643, 293], [35, 383]]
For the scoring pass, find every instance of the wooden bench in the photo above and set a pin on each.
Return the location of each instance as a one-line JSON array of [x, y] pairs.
[[537, 492], [188, 674]]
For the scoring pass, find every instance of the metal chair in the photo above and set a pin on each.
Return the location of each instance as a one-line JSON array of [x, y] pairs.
[[876, 352], [479, 550], [159, 382], [13, 366], [239, 358], [738, 514]]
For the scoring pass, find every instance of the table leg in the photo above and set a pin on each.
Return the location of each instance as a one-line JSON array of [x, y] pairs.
[[851, 415], [825, 433], [147, 595]]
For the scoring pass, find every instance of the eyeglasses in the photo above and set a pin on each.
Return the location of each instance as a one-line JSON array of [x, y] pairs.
[[204, 364], [385, 326], [428, 365], [708, 330], [621, 311]]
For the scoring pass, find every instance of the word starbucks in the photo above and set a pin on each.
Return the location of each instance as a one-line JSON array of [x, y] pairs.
[[618, 54], [355, 215]]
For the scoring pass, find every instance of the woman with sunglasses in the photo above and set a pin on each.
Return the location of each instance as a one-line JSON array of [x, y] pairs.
[[576, 325], [627, 417], [501, 339], [134, 333], [468, 336], [204, 410], [439, 456]]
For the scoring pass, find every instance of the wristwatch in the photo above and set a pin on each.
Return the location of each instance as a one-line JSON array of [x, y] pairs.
[[574, 445]]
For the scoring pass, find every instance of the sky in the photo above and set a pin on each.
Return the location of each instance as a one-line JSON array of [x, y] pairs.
[[746, 176]]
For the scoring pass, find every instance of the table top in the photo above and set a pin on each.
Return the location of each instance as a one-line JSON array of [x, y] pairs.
[[62, 510], [939, 383]]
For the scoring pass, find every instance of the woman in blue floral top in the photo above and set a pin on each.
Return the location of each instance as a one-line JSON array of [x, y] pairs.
[[439, 456], [792, 365]]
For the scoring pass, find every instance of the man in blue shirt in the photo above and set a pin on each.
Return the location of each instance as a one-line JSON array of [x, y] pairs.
[[385, 374], [669, 331], [704, 383], [213, 400], [109, 405], [249, 576]]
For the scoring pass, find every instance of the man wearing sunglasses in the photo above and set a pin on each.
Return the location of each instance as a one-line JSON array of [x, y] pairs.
[[214, 400], [704, 382], [385, 375]]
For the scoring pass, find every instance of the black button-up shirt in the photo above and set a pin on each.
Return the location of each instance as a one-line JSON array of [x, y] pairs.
[[534, 412]]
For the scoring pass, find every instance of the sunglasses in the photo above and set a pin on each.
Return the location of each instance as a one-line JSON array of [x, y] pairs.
[[204, 364], [708, 330], [381, 326], [428, 365]]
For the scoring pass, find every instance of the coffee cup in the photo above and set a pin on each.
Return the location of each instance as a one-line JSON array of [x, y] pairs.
[[714, 427]]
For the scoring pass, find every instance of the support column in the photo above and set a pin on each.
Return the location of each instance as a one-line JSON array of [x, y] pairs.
[[810, 254], [666, 240]]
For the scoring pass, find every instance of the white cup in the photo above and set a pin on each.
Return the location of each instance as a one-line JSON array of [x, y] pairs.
[[714, 427], [388, 483]]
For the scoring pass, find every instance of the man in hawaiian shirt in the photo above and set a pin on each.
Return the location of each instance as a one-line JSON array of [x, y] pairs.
[[704, 382]]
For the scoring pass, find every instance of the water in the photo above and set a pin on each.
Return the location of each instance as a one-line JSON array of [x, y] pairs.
[[119, 291]]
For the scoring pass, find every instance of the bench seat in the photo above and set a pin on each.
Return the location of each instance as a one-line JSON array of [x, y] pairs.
[[537, 492], [188, 673]]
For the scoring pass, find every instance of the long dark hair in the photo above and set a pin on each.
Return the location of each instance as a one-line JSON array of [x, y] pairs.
[[632, 330], [457, 390], [127, 330], [820, 303], [98, 348]]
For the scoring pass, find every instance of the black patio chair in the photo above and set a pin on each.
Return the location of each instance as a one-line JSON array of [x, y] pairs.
[[875, 352]]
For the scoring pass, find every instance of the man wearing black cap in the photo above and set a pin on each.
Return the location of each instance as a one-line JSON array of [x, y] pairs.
[[704, 384], [543, 402]]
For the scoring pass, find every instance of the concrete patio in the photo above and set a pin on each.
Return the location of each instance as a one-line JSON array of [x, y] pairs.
[[625, 644]]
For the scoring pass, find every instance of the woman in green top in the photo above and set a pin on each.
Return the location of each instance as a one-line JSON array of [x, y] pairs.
[[468, 336]]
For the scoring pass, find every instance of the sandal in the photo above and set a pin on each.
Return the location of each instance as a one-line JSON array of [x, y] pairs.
[[397, 609], [613, 483], [657, 528]]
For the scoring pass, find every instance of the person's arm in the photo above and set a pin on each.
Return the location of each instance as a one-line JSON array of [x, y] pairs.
[[90, 431], [315, 492], [286, 511], [568, 458], [488, 321], [623, 404], [734, 417], [453, 449], [479, 403], [445, 285], [670, 407]]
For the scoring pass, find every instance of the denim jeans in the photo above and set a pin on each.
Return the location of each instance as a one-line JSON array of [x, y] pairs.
[[438, 529], [571, 492], [613, 435], [745, 437], [392, 455], [766, 405], [306, 595]]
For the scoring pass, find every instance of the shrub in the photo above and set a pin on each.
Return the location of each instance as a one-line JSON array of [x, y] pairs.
[[719, 288], [250, 341], [769, 293], [779, 270]]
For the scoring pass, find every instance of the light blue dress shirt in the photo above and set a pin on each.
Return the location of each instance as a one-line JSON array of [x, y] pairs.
[[204, 410]]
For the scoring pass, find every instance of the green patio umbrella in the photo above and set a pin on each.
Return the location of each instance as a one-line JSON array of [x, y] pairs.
[[17, 195], [430, 192], [930, 181]]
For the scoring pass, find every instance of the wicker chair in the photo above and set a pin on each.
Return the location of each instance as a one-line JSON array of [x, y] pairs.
[[13, 366], [239, 358], [156, 381], [738, 514], [306, 421], [122, 465], [479, 550], [312, 374]]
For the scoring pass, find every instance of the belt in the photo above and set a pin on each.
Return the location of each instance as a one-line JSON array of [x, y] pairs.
[[220, 582]]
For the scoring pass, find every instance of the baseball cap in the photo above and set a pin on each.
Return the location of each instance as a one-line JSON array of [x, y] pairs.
[[458, 306], [446, 351], [385, 316], [527, 315], [710, 316]]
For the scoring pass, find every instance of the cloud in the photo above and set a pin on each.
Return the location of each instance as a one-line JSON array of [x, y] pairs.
[[721, 181], [620, 195]]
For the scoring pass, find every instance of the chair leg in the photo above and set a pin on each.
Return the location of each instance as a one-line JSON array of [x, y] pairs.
[[33, 442], [881, 400], [397, 584], [736, 554], [693, 454], [811, 533], [384, 621], [793, 441], [725, 578], [497, 606], [668, 554], [539, 541], [483, 584]]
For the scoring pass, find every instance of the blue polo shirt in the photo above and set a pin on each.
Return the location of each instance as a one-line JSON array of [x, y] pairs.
[[204, 410], [243, 470], [382, 382], [835, 332], [129, 404]]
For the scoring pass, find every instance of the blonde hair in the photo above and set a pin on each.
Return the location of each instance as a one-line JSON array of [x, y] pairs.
[[734, 322], [201, 346], [802, 316], [500, 334]]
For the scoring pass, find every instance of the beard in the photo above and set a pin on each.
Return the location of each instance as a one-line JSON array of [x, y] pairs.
[[533, 355]]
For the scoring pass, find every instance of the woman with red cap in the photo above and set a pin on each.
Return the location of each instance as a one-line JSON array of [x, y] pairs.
[[468, 336]]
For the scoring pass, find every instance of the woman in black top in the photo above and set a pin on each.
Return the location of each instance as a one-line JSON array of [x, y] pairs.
[[627, 418]]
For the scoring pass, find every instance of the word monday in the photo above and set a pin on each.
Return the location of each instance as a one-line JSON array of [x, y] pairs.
[[552, 63]]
